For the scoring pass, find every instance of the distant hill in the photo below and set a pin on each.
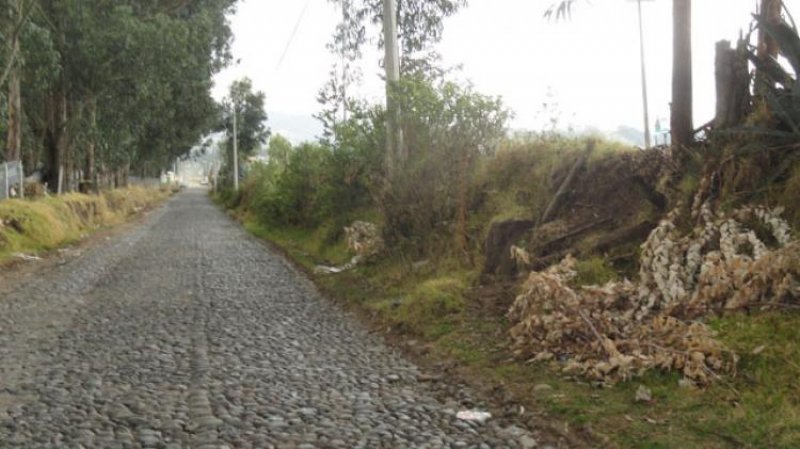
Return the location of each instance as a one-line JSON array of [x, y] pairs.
[[625, 134], [628, 134], [295, 127]]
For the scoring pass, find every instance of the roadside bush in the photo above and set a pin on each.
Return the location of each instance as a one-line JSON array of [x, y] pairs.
[[447, 129], [300, 191], [332, 181]]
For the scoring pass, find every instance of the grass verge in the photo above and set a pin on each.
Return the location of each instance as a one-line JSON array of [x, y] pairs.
[[44, 224]]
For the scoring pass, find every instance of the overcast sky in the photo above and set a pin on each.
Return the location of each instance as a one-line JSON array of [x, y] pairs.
[[589, 66]]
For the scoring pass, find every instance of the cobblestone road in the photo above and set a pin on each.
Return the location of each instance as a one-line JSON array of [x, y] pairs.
[[187, 333]]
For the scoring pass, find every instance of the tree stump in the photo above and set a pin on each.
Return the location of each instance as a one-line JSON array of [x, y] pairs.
[[498, 246], [733, 85]]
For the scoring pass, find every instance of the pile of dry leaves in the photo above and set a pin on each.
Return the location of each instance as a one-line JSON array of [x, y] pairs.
[[619, 330]]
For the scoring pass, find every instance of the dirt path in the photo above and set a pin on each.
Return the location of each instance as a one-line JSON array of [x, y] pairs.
[[186, 332]]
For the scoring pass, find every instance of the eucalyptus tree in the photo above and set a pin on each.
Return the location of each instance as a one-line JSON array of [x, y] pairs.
[[13, 23], [133, 82], [419, 24]]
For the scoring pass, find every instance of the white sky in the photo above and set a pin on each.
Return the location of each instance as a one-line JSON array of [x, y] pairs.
[[590, 64]]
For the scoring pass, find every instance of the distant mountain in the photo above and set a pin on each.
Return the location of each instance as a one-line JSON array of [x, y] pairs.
[[625, 134], [295, 127], [628, 135]]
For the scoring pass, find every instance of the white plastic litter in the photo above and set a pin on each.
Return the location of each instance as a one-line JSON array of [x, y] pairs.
[[473, 415], [324, 269]]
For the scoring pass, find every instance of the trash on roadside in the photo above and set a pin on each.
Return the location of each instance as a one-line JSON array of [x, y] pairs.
[[759, 350], [26, 256], [643, 394], [473, 415], [324, 269]]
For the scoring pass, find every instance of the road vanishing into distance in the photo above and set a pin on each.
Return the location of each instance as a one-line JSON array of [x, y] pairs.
[[185, 332]]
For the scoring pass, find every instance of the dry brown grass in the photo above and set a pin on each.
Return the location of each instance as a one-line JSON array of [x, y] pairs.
[[32, 226]]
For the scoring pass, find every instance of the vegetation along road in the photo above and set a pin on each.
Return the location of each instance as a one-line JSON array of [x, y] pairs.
[[186, 332]]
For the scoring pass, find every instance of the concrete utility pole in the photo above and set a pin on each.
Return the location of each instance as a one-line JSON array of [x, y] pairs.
[[345, 6], [647, 140], [395, 153], [235, 152]]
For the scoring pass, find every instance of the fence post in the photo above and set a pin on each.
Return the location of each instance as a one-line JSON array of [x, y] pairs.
[[5, 178], [21, 181], [60, 179]]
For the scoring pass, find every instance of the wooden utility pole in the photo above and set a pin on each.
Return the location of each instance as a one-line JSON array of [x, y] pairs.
[[395, 153]]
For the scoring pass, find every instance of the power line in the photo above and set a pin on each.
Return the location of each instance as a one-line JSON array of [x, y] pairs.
[[294, 32]]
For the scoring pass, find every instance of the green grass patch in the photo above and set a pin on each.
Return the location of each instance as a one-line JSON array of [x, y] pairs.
[[430, 309], [307, 246], [593, 271]]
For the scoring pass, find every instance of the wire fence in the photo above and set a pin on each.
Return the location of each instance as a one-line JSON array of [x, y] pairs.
[[12, 179]]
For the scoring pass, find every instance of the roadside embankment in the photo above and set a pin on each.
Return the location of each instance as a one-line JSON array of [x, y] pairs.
[[43, 224]]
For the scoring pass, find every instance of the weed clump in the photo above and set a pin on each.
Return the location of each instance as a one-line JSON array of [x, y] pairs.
[[593, 271]]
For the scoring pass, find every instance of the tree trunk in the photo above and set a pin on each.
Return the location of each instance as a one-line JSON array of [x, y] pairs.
[[681, 115], [126, 171], [462, 244], [14, 135], [20, 15], [395, 149], [56, 137], [89, 171]]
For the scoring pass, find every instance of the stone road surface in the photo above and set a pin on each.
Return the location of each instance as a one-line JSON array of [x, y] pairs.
[[187, 333]]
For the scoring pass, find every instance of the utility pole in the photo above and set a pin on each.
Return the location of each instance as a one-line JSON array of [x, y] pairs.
[[235, 152], [345, 6], [395, 153], [647, 140]]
